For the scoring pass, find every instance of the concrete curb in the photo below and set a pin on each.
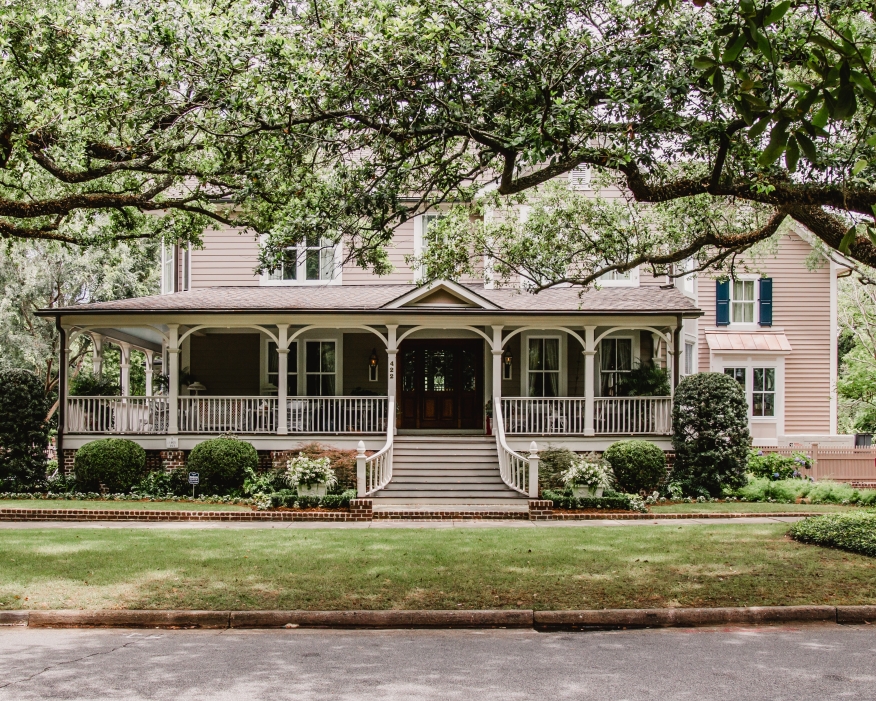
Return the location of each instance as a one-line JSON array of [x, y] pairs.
[[605, 619]]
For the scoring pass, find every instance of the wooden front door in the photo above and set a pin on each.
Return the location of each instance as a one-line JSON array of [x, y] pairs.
[[440, 384]]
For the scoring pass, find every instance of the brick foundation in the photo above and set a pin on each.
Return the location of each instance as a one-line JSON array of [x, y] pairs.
[[153, 460], [541, 509], [68, 460], [172, 459], [279, 458], [361, 510]]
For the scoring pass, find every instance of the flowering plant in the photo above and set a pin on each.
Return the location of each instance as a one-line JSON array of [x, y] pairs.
[[305, 470], [778, 467], [587, 473]]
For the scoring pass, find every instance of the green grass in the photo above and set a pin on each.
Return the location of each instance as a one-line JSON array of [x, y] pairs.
[[745, 507], [546, 568], [135, 505]]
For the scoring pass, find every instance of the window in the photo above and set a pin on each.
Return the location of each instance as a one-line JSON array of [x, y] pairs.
[[187, 268], [615, 275], [291, 367], [312, 261], [579, 177], [737, 374], [742, 301], [688, 358], [763, 395], [614, 278], [319, 368], [616, 359], [167, 282], [544, 367]]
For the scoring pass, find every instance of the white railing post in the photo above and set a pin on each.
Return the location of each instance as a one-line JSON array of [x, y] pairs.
[[533, 470], [125, 368], [361, 489], [391, 367], [589, 380], [173, 379], [150, 356]]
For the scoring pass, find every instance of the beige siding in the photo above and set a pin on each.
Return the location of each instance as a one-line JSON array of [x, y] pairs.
[[648, 279], [402, 245], [801, 307], [228, 259]]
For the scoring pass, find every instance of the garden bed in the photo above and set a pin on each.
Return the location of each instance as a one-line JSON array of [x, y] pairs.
[[743, 507], [112, 504]]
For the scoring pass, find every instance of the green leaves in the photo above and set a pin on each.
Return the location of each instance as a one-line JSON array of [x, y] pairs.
[[848, 239], [777, 12], [734, 48]]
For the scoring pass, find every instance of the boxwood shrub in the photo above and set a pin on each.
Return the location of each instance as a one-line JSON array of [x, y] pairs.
[[552, 464], [117, 464], [638, 466], [289, 498], [855, 532], [221, 464], [609, 500]]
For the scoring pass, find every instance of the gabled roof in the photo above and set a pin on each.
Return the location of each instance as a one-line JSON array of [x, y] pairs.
[[441, 294], [474, 299]]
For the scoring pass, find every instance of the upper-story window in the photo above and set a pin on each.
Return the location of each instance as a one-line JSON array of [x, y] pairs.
[[313, 261], [167, 281], [742, 300], [171, 255], [615, 278]]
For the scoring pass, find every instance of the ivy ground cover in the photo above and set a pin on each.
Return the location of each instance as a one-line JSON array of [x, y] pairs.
[[564, 567]]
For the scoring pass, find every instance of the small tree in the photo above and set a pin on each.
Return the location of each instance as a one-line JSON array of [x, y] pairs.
[[24, 433], [710, 434]]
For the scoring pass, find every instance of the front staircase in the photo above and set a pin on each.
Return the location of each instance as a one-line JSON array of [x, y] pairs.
[[435, 471]]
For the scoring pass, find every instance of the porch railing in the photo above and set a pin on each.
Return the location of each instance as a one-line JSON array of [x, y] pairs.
[[633, 415], [514, 468], [337, 414], [140, 415], [227, 414], [375, 472], [565, 415]]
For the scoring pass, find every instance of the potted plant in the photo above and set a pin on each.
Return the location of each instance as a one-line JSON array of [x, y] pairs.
[[587, 478], [311, 476]]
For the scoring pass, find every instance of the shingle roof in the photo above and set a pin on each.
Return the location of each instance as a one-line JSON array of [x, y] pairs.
[[353, 298]]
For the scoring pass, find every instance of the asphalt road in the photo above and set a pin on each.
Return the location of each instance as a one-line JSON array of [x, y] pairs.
[[793, 663]]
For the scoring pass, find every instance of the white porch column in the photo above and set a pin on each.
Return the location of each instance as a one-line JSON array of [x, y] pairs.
[[173, 379], [589, 379], [391, 366], [282, 379], [497, 362], [125, 367], [149, 370], [97, 354], [64, 390]]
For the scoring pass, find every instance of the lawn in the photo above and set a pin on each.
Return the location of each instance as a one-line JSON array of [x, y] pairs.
[[748, 507], [135, 505], [489, 567]]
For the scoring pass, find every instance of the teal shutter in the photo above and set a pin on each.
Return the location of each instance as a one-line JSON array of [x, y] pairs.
[[765, 316], [722, 298]]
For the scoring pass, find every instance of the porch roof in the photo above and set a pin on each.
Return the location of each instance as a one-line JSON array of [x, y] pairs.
[[372, 298]]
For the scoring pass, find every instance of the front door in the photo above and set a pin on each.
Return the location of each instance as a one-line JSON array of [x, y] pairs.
[[441, 384]]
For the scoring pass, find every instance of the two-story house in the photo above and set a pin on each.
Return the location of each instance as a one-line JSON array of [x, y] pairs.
[[449, 383]]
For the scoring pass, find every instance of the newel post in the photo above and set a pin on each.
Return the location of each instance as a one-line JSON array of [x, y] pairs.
[[533, 470], [360, 469]]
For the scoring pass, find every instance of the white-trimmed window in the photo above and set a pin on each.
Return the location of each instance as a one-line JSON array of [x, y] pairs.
[[743, 300], [167, 258], [186, 282], [273, 366], [543, 369], [763, 392], [614, 278], [320, 365], [615, 361], [689, 364], [313, 261]]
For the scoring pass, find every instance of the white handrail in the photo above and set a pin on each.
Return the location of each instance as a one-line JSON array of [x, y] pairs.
[[633, 415], [231, 414], [378, 467], [117, 415], [513, 467]]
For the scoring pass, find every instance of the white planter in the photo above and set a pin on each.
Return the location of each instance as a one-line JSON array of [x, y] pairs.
[[312, 490], [582, 491]]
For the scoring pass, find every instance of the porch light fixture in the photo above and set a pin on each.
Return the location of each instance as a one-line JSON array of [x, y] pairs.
[[506, 365], [372, 366]]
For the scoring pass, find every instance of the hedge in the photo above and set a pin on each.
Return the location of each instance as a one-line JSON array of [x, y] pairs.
[[24, 433], [114, 464], [638, 466], [290, 499], [221, 464], [853, 532], [610, 500]]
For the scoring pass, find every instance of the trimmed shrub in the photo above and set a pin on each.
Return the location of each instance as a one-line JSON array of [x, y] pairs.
[[789, 490], [553, 463], [710, 434], [290, 499], [638, 466], [609, 500], [221, 464], [24, 433], [117, 464], [855, 533]]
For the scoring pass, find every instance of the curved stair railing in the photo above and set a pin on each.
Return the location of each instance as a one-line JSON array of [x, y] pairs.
[[374, 472], [517, 471]]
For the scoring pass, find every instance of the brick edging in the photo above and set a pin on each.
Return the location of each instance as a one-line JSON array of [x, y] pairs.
[[604, 619]]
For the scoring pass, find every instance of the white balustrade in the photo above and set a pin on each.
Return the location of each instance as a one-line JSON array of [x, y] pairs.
[[374, 472], [633, 415], [119, 415], [514, 468], [227, 414], [337, 414]]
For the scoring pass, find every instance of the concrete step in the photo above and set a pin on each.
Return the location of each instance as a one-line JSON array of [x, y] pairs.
[[443, 479], [446, 490], [421, 455], [403, 472], [456, 499]]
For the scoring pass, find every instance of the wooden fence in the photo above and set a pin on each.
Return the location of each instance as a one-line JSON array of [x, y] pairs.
[[853, 465]]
